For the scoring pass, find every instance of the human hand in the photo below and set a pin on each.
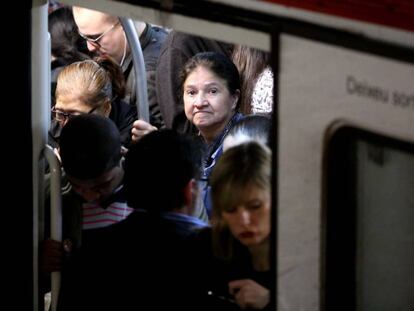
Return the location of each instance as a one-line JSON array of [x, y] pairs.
[[249, 294], [51, 253], [141, 128], [124, 151]]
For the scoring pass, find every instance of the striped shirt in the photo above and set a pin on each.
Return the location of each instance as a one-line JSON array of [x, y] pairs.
[[94, 216]]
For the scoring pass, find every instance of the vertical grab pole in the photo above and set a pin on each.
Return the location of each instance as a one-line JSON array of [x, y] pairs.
[[55, 214], [139, 68], [40, 116]]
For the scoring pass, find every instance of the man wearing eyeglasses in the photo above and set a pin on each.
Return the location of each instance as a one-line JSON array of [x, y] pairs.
[[104, 35]]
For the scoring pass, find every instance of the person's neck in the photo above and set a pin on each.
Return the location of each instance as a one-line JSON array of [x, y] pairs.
[[260, 256]]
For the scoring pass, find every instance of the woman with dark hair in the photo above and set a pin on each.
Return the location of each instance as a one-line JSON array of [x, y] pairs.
[[211, 95], [66, 44], [256, 77]]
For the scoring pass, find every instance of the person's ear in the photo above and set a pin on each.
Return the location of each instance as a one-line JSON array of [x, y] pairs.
[[190, 192], [236, 97]]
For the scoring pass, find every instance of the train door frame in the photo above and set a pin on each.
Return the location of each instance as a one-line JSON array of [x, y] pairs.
[[264, 31], [342, 230], [41, 113]]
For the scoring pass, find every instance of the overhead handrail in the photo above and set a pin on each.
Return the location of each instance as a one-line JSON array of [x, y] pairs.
[[139, 68], [55, 215]]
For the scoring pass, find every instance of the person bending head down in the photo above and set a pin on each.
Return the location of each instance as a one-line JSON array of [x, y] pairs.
[[241, 221], [90, 149], [94, 87]]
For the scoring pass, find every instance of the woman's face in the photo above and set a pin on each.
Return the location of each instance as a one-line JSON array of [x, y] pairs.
[[249, 221], [64, 109], [208, 103]]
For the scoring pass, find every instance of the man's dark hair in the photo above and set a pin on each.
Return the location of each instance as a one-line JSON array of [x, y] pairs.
[[158, 167], [90, 145]]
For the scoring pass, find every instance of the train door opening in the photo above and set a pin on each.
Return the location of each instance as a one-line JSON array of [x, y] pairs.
[[309, 86], [368, 222]]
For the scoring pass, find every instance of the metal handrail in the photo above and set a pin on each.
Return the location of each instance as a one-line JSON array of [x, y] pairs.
[[139, 68], [55, 215]]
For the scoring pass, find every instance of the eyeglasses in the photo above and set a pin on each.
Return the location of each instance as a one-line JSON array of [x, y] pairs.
[[62, 116], [94, 39]]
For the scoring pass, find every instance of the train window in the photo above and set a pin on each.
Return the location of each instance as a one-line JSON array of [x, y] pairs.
[[253, 64], [369, 259]]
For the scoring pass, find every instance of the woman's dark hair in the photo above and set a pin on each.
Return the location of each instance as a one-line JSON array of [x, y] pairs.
[[115, 74], [250, 62], [66, 44]]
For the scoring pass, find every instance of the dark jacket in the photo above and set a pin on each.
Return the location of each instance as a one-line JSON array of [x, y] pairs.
[[211, 155], [151, 40], [72, 210], [72, 214], [176, 50], [137, 264], [123, 116], [210, 285]]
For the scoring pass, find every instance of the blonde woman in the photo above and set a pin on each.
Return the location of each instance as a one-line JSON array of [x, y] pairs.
[[238, 267]]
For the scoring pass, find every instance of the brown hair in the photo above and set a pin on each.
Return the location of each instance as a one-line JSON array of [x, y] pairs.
[[250, 62]]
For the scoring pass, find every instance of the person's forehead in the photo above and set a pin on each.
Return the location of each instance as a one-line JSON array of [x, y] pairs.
[[104, 177], [205, 75], [71, 104], [92, 22]]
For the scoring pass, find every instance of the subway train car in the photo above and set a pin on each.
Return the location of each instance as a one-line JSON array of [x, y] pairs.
[[342, 140]]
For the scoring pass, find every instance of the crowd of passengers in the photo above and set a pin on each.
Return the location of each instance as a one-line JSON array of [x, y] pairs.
[[174, 212]]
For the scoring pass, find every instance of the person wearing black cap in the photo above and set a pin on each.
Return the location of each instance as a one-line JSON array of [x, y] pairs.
[[141, 263], [90, 151]]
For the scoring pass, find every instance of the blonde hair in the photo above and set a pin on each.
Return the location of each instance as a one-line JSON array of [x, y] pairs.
[[240, 166], [92, 82]]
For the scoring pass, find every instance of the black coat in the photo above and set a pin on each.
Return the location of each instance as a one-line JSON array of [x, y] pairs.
[[210, 286], [137, 264], [123, 116], [151, 40]]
